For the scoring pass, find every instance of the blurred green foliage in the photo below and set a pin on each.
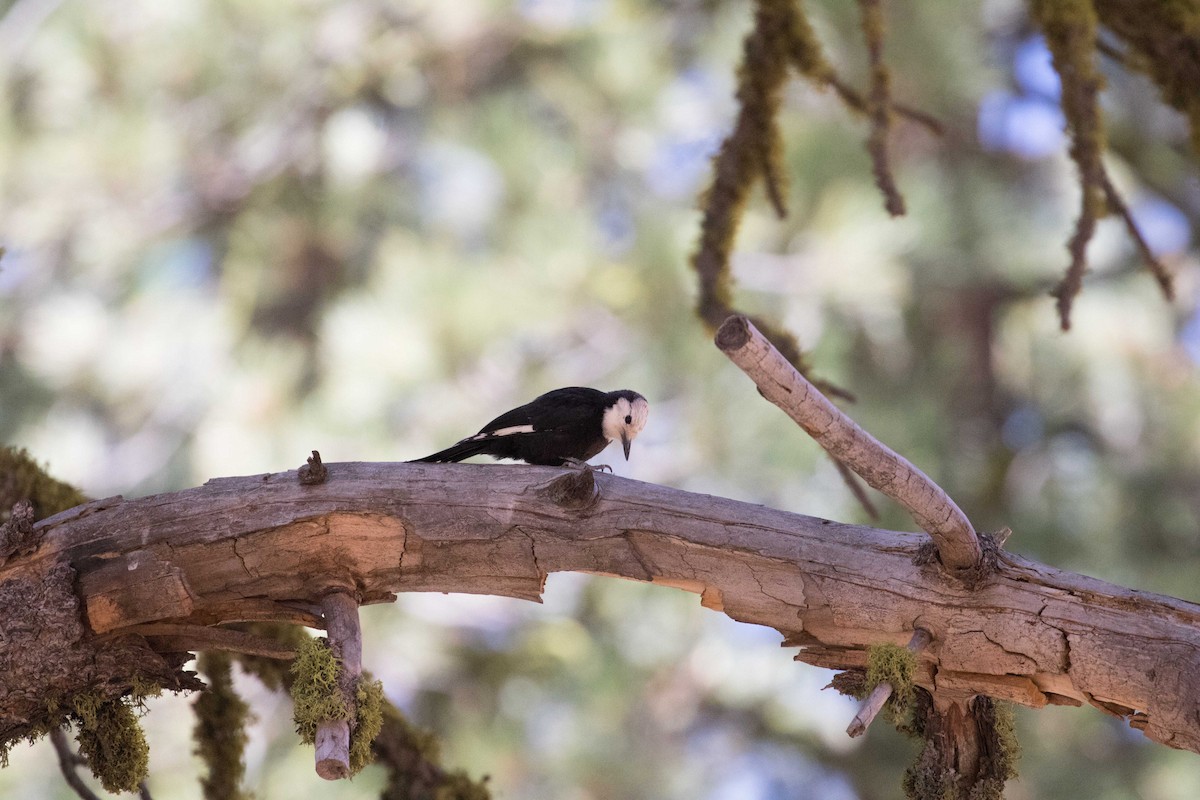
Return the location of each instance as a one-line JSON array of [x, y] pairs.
[[237, 231]]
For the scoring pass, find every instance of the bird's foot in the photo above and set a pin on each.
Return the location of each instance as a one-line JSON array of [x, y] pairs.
[[583, 465]]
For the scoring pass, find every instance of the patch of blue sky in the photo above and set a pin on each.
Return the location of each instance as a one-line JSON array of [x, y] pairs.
[[1028, 127], [1164, 227], [1033, 67]]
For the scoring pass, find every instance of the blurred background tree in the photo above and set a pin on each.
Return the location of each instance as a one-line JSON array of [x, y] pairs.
[[240, 230]]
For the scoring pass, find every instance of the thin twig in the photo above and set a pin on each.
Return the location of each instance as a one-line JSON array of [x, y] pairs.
[[855, 101], [877, 464], [1153, 263], [68, 759], [178, 637], [875, 701]]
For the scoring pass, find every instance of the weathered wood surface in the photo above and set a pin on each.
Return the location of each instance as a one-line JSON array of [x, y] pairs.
[[876, 463], [251, 547]]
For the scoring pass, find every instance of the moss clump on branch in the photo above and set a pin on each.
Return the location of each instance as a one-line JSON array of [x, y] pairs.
[[220, 729], [112, 741], [891, 663], [316, 694], [368, 697], [317, 697], [999, 746]]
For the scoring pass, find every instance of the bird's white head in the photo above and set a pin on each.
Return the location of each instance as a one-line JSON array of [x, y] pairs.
[[624, 417]]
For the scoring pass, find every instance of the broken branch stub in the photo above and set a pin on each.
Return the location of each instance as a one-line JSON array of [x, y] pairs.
[[875, 701], [332, 745], [880, 466]]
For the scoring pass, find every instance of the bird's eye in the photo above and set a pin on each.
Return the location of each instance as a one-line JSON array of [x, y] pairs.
[[628, 418]]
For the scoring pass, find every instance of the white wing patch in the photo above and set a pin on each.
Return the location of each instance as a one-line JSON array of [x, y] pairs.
[[503, 432]]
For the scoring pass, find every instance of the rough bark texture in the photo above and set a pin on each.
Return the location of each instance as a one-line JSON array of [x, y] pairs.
[[247, 548]]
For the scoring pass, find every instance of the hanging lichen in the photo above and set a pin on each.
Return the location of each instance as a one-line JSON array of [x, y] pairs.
[[220, 729], [751, 151], [1163, 41], [1070, 28], [880, 106], [781, 37], [112, 742]]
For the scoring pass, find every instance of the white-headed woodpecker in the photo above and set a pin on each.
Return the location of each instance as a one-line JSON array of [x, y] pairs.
[[563, 426]]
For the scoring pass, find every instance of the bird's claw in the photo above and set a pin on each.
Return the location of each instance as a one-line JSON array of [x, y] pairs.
[[583, 465]]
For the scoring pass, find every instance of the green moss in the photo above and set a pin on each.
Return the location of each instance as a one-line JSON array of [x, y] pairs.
[[891, 663], [220, 729], [112, 741], [21, 478], [316, 695], [369, 712], [140, 689]]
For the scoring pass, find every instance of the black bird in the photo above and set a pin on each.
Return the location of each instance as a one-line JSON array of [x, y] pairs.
[[565, 426]]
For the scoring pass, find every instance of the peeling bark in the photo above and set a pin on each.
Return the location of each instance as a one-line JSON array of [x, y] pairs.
[[260, 546]]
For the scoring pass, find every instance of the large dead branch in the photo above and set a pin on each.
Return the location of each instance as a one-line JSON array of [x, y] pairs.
[[244, 548]]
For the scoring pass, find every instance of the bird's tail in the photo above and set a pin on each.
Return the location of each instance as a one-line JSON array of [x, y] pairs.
[[457, 452]]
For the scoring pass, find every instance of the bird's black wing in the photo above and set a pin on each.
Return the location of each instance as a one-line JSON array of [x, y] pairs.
[[554, 410], [561, 424]]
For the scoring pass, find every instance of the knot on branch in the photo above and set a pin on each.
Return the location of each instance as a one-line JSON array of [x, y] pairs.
[[574, 491], [17, 536], [980, 573], [314, 471]]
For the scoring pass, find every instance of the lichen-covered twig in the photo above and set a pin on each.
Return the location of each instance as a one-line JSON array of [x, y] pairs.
[[220, 729], [332, 743], [875, 701], [1070, 28], [877, 464], [880, 106]]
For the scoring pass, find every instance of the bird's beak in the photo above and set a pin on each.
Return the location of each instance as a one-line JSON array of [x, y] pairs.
[[625, 443]]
